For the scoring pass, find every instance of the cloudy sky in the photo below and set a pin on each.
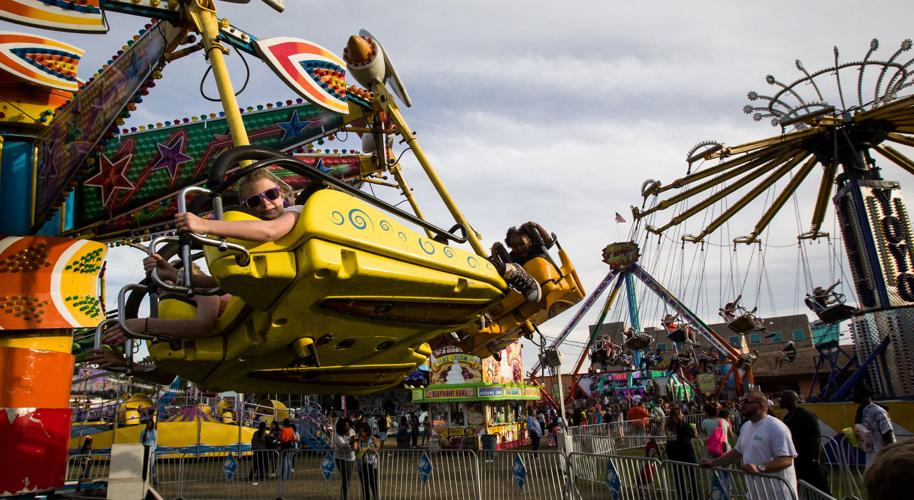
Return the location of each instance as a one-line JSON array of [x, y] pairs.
[[558, 111]]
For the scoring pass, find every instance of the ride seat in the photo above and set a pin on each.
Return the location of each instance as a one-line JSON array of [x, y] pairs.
[[835, 312], [515, 316], [743, 323], [202, 353], [639, 341], [351, 284]]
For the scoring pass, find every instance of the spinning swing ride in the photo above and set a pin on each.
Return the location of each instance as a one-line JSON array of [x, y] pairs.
[[350, 301], [840, 138]]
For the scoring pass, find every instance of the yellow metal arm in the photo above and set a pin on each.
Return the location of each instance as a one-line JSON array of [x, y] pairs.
[[818, 215], [388, 105], [203, 15], [758, 172], [751, 195], [782, 198], [896, 157]]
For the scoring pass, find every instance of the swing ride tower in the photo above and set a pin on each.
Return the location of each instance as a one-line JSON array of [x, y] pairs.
[[847, 139]]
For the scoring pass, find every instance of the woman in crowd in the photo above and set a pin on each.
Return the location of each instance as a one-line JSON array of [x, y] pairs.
[[343, 454]]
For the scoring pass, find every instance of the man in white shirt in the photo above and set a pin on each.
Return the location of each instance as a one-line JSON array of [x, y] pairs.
[[764, 447]]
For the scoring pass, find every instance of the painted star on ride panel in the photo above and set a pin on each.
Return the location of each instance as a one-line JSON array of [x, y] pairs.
[[171, 155], [111, 177], [294, 128]]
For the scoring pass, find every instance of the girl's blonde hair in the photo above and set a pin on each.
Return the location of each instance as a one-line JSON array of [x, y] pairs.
[[263, 173]]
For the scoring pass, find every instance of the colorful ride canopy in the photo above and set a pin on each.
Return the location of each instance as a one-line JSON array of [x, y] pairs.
[[40, 60]]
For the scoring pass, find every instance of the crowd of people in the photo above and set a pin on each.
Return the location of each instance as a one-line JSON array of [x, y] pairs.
[[745, 433]]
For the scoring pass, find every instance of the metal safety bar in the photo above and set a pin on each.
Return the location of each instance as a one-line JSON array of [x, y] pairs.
[[266, 157], [174, 287]]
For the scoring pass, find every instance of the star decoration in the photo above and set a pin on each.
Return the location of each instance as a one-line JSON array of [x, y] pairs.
[[294, 128], [73, 132], [171, 155], [111, 177]]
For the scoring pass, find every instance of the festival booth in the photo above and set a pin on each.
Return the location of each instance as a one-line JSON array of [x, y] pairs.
[[469, 397]]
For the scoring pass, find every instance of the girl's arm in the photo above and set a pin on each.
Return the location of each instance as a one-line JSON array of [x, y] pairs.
[[200, 326], [251, 230]]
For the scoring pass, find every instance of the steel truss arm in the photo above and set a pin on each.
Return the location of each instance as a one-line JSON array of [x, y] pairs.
[[782, 198], [712, 337], [723, 193], [591, 300], [896, 157], [818, 215], [751, 195]]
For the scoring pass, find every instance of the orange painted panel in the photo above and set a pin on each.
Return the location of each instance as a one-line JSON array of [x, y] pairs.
[[49, 283], [31, 378]]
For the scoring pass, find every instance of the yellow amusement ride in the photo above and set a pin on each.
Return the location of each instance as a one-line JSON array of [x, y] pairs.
[[355, 297]]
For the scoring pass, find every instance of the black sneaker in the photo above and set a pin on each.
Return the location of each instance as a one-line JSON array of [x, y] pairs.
[[522, 282]]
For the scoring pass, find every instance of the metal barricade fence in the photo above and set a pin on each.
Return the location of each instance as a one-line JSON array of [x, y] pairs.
[[250, 475], [600, 445], [429, 474], [845, 467], [690, 481], [315, 474], [87, 468], [511, 474], [806, 491], [598, 476]]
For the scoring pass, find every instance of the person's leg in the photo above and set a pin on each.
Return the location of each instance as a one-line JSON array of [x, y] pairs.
[[145, 461], [345, 472], [373, 481], [519, 279], [364, 480]]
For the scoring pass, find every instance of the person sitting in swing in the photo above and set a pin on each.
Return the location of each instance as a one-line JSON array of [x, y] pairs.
[[679, 360], [728, 312], [825, 296], [788, 353], [599, 357], [739, 319]]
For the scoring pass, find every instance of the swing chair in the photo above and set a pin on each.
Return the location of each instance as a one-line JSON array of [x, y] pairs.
[[636, 341], [788, 353], [599, 356], [675, 328], [739, 319], [829, 305]]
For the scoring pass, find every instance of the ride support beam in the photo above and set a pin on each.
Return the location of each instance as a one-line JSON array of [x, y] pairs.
[[387, 104], [585, 307], [203, 14], [710, 335], [896, 157], [822, 199], [765, 165], [782, 198]]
